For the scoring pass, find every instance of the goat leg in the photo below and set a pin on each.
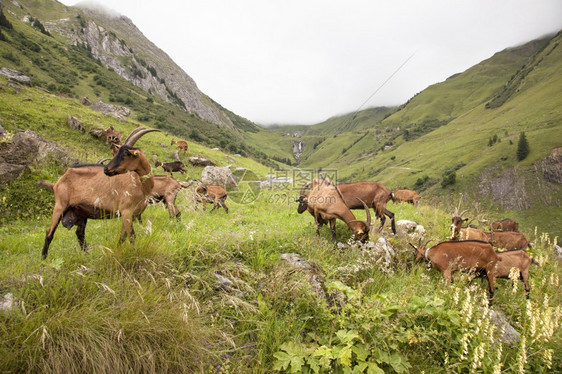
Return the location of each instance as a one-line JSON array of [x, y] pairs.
[[56, 218], [81, 233], [333, 228]]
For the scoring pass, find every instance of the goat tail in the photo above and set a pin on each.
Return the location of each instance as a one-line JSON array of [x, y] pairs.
[[392, 197], [533, 261], [47, 185]]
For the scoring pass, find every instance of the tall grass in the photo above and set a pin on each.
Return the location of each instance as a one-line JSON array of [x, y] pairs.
[[211, 294]]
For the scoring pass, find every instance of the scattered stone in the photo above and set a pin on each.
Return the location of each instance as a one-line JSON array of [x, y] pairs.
[[27, 148], [119, 112], [314, 276], [411, 229], [223, 282], [510, 335], [200, 161], [404, 227], [16, 76], [218, 176], [14, 85], [96, 133], [74, 123], [86, 101], [558, 252], [7, 302]]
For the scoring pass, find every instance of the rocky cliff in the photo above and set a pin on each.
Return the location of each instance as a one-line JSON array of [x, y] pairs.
[[118, 44]]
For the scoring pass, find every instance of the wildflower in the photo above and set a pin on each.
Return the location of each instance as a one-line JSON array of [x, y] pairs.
[[478, 356], [522, 358], [514, 276], [547, 355]]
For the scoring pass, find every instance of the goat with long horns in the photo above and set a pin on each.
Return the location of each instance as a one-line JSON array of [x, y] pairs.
[[95, 191]]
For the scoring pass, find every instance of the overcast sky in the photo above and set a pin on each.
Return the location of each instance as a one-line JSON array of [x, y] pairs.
[[303, 61]]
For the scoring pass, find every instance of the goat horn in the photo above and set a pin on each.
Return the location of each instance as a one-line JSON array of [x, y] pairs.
[[304, 187], [102, 160], [367, 211], [463, 212], [136, 134]]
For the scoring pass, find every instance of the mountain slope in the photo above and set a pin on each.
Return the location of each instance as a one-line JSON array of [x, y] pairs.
[[81, 53]]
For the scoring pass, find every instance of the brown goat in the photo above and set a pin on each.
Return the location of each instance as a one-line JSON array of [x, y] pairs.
[[374, 194], [166, 190], [215, 195], [451, 256], [327, 203], [406, 196], [172, 167], [505, 224], [508, 240], [303, 206], [112, 136], [96, 191], [465, 233], [180, 144], [515, 258]]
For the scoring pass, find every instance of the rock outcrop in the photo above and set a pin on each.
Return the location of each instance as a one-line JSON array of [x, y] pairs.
[[27, 148]]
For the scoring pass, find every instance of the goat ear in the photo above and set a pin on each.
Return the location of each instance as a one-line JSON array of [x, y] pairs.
[[466, 219], [413, 246]]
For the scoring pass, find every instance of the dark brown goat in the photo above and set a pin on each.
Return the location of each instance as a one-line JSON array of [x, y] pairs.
[[180, 144], [406, 196], [505, 224], [374, 194], [327, 203], [215, 195], [94, 192], [172, 167], [451, 256]]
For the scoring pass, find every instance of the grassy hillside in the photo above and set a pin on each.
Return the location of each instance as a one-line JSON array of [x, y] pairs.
[[53, 64], [212, 294], [467, 127], [47, 114]]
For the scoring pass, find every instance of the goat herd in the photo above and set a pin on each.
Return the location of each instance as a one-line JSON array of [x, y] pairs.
[[123, 188]]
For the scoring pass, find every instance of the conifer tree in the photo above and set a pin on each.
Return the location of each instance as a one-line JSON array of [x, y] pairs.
[[522, 147]]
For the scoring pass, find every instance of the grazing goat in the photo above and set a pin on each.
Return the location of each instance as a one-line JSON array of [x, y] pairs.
[[508, 240], [450, 256], [505, 224], [112, 136], [515, 258], [166, 190], [171, 167], [406, 196], [374, 194], [96, 191], [215, 195], [303, 206], [327, 203], [180, 144]]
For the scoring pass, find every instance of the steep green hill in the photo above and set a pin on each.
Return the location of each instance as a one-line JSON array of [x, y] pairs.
[[63, 61], [463, 130]]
